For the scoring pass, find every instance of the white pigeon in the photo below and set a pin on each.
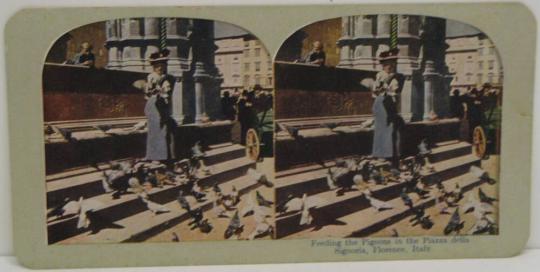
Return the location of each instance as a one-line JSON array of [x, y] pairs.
[[72, 207], [478, 172], [330, 181], [262, 227], [293, 205], [305, 217], [379, 205], [86, 206], [152, 206]]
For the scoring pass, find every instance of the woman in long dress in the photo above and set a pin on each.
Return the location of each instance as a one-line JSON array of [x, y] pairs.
[[160, 140], [387, 122]]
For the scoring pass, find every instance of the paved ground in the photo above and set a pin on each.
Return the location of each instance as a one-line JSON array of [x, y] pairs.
[[404, 227], [220, 224]]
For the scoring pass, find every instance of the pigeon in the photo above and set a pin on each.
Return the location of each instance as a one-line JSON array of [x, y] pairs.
[[379, 205], [205, 226], [455, 224], [66, 208], [259, 177], [406, 199], [197, 192], [251, 208], [485, 198], [331, 126], [87, 206], [395, 233], [102, 128], [197, 150], [152, 206], [305, 217], [216, 189], [218, 210], [183, 201], [175, 237], [261, 229], [196, 216], [261, 201], [481, 174], [290, 204], [66, 134], [235, 227], [234, 195], [330, 180]]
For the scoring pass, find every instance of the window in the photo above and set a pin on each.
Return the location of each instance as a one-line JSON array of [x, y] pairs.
[[257, 52], [481, 51], [479, 79], [490, 78], [246, 53], [246, 67], [246, 44], [269, 80], [257, 79], [269, 65], [480, 65], [235, 59], [246, 80], [257, 66]]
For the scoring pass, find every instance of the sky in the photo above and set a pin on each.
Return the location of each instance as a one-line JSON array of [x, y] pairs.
[[453, 28]]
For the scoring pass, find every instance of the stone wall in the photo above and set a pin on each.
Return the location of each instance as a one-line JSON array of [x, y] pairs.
[[76, 93], [312, 91]]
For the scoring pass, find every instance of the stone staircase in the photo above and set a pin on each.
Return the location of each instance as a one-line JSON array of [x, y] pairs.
[[451, 160], [228, 165]]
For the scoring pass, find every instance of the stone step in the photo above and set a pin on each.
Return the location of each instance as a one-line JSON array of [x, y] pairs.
[[144, 224], [314, 181], [350, 202], [368, 220], [86, 182], [224, 153], [448, 151], [129, 204]]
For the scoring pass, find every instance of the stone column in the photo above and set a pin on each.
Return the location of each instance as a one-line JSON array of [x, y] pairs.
[[178, 101], [200, 76], [430, 76]]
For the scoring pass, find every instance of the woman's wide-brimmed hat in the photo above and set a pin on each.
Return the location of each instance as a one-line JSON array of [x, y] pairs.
[[391, 54], [159, 57]]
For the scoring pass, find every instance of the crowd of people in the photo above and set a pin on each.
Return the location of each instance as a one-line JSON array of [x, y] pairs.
[[248, 107], [473, 104]]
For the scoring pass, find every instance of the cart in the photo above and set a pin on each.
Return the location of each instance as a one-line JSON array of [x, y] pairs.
[[259, 139]]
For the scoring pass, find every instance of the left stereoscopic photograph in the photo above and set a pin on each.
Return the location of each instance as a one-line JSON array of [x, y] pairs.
[[158, 130]]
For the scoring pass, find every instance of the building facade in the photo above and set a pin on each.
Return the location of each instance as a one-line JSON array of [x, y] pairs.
[[131, 41], [243, 63], [421, 44], [473, 61]]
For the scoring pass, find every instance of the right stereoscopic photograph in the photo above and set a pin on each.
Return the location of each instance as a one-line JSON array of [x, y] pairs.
[[387, 125]]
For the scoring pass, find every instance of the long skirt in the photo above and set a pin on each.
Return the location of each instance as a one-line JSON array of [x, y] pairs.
[[159, 139], [385, 135]]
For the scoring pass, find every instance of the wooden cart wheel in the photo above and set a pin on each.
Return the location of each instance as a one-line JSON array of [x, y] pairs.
[[253, 148], [479, 142]]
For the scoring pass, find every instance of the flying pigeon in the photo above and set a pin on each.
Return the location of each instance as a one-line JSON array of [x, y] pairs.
[[305, 217], [455, 224], [235, 227], [152, 206], [379, 205], [87, 206]]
